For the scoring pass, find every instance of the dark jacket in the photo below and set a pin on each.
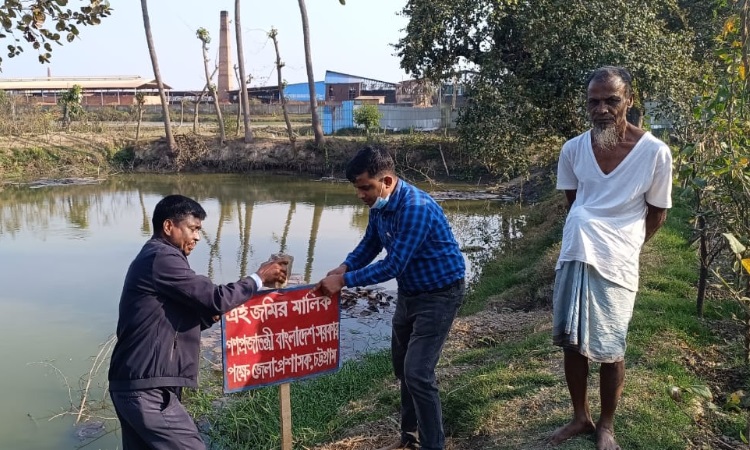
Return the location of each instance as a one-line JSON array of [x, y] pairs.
[[163, 308]]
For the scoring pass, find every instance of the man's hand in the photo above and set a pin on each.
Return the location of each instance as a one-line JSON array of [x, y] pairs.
[[273, 271], [340, 270], [331, 284]]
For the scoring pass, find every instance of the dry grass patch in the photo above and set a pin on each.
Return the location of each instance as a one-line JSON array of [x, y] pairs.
[[489, 328]]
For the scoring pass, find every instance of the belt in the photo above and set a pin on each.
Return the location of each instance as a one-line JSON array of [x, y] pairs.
[[447, 287]]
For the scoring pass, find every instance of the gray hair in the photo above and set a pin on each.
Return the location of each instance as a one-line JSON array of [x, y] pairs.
[[608, 72]]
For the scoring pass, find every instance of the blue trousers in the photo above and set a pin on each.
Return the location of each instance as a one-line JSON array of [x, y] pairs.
[[421, 324], [154, 419]]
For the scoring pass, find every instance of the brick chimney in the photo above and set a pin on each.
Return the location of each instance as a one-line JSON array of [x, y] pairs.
[[224, 84]]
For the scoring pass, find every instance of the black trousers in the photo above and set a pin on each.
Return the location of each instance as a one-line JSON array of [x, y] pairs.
[[421, 324], [154, 419]]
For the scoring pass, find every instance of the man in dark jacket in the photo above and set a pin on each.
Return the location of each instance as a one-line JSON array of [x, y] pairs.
[[163, 308]]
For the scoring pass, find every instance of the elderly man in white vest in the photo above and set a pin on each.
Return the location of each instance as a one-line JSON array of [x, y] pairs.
[[617, 179]]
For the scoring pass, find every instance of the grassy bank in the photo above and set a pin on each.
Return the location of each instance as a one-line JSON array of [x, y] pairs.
[[98, 151], [501, 379], [89, 152], [57, 156]]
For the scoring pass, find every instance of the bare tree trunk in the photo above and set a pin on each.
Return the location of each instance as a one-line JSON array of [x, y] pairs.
[[214, 94], [745, 34], [196, 110], [703, 256], [703, 271], [317, 128], [140, 100], [196, 107], [292, 138], [455, 93], [138, 125], [244, 98], [239, 116], [157, 74], [239, 102], [744, 13], [66, 117]]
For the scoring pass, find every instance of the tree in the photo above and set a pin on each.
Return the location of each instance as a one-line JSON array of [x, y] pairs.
[[70, 102], [239, 102], [368, 117], [273, 34], [705, 18], [44, 22], [317, 127], [197, 102], [714, 164], [244, 98], [525, 63], [205, 39], [157, 74], [140, 100]]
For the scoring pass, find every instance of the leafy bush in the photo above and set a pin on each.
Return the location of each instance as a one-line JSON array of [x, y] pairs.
[[368, 117], [123, 157]]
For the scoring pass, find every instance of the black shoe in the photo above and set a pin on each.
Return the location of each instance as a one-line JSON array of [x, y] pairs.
[[409, 442]]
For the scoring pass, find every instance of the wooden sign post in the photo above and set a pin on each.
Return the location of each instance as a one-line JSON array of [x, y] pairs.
[[285, 394], [285, 406]]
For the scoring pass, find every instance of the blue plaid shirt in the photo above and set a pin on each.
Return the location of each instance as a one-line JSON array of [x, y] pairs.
[[422, 253]]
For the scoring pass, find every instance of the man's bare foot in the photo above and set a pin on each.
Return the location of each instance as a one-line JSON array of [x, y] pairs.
[[572, 429], [605, 439]]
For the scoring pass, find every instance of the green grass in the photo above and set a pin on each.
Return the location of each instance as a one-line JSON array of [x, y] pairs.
[[16, 163], [250, 420], [648, 418]]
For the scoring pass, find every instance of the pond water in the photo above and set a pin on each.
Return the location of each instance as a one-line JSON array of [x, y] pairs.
[[64, 251]]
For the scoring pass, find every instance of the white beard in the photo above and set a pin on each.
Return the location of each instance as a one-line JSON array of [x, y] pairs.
[[605, 138]]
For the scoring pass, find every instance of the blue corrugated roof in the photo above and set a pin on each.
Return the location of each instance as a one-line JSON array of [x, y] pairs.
[[300, 92]]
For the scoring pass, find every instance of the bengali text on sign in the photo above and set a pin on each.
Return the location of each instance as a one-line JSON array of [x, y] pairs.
[[278, 336]]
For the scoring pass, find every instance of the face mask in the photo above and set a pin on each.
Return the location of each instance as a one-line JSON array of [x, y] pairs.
[[380, 202]]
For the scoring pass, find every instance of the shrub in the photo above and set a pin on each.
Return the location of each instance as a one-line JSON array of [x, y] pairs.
[[368, 117]]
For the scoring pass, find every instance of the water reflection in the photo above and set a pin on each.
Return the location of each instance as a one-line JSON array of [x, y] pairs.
[[64, 251]]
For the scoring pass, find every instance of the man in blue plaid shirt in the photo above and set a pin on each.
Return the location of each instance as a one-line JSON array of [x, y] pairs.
[[426, 261]]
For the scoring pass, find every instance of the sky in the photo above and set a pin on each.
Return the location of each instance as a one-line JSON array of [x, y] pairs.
[[356, 39]]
